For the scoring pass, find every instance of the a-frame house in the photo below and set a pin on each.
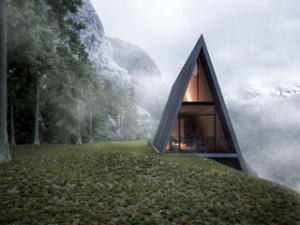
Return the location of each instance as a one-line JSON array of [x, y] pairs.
[[195, 119]]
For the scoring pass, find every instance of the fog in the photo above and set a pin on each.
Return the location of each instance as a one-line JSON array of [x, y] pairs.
[[268, 131], [254, 42], [257, 40]]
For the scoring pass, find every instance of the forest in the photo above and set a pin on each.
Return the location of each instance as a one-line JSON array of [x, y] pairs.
[[55, 95]]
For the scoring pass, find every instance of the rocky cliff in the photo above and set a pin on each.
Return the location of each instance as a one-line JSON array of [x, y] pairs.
[[124, 64]]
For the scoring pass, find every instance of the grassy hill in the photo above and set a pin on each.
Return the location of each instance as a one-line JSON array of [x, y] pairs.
[[127, 183]]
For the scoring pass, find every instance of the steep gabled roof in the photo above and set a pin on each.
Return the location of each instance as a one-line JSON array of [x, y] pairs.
[[176, 96]]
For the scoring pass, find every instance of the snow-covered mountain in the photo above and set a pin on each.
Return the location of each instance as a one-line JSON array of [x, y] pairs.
[[267, 125], [250, 93], [107, 52], [124, 64], [133, 58]]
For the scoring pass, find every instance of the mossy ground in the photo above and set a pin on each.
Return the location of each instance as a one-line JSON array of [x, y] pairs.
[[127, 183]]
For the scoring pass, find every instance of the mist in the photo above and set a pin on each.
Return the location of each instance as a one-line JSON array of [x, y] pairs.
[[247, 40], [268, 131]]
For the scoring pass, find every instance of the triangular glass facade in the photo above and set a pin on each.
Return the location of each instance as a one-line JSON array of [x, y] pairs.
[[198, 128]]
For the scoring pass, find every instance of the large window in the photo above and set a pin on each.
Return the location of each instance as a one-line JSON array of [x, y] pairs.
[[198, 129], [198, 89]]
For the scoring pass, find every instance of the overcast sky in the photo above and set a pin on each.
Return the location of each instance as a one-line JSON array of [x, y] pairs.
[[255, 41]]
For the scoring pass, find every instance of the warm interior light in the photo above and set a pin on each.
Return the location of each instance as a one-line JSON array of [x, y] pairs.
[[195, 71], [188, 96], [191, 91]]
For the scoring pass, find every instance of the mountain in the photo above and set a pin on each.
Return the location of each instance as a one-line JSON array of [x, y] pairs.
[[109, 52], [250, 93], [267, 124], [124, 65], [133, 58]]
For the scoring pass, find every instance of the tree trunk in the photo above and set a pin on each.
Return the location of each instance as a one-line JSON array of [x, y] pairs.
[[12, 122], [66, 137], [79, 138], [37, 112], [91, 122], [120, 126], [4, 147]]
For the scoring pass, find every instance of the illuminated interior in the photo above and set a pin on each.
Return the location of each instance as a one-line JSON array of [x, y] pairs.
[[198, 89], [198, 127]]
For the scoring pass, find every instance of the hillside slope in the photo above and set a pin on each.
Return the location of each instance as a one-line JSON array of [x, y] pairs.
[[127, 183]]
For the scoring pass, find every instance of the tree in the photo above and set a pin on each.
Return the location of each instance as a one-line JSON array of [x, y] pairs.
[[12, 121], [129, 119], [31, 49], [53, 86], [36, 140], [4, 148], [96, 110]]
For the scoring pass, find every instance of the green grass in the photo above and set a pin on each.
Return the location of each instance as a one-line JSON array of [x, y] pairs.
[[128, 183]]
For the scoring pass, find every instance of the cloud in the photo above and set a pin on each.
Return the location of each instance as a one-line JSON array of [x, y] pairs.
[[247, 40]]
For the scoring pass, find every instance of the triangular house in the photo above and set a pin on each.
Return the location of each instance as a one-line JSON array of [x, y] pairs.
[[195, 119]]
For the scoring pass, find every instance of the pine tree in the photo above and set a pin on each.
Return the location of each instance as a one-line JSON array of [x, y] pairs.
[[53, 86], [31, 48]]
